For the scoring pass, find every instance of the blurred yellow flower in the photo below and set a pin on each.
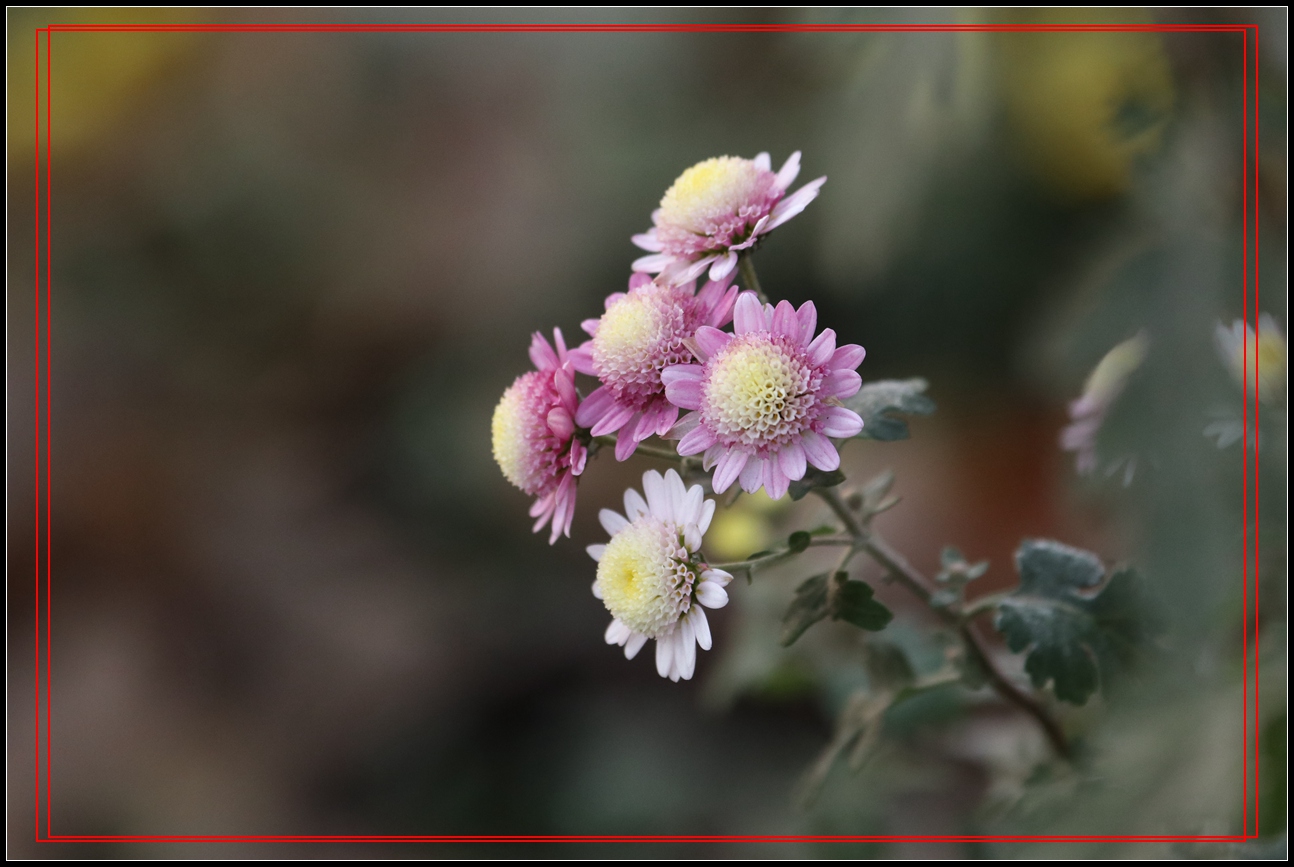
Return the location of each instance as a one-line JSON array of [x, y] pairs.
[[1084, 106]]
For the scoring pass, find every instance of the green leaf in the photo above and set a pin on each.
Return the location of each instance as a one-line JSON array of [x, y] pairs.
[[878, 403], [1077, 640], [799, 541], [814, 478], [888, 668], [808, 607], [855, 604]]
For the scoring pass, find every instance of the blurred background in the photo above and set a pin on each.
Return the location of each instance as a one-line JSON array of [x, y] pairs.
[[293, 273]]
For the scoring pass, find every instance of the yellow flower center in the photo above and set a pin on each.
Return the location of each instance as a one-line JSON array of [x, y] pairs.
[[757, 393], [508, 429], [643, 577], [709, 191]]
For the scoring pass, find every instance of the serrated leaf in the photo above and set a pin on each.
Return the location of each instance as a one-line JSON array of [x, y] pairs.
[[855, 603], [1075, 640], [879, 403], [798, 541], [814, 478], [808, 607]]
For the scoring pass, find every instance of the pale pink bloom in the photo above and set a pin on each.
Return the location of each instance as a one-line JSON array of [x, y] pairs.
[[766, 399], [533, 432], [652, 577], [642, 332], [715, 210], [1102, 389]]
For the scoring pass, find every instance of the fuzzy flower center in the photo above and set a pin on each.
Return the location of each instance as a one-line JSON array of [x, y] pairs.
[[759, 391], [710, 191], [520, 434], [639, 335], [644, 576]]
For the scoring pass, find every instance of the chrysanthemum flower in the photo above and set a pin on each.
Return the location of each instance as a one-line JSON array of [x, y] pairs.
[[534, 435], [1103, 387], [766, 398], [651, 575], [1266, 363], [641, 333], [715, 210]]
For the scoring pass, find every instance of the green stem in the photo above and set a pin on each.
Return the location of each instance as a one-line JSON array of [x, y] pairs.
[[903, 572], [650, 451], [982, 604], [747, 269], [777, 556]]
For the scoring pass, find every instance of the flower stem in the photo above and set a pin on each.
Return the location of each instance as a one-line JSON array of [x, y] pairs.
[[748, 276], [650, 451], [904, 573], [778, 556]]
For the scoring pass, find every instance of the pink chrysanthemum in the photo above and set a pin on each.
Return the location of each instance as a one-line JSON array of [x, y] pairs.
[[652, 577], [715, 210], [766, 398], [641, 333], [534, 435]]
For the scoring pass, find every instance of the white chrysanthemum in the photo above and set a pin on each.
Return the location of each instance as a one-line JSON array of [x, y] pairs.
[[651, 575], [1264, 369]]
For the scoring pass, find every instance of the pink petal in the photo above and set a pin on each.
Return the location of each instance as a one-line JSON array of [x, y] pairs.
[[666, 418], [726, 470], [723, 266], [748, 315], [579, 455], [564, 382], [638, 279], [652, 264], [808, 316], [752, 475], [775, 481], [838, 422], [712, 455], [791, 461], [681, 373], [540, 506], [710, 340], [721, 315], [681, 272], [847, 357], [625, 443], [647, 241], [560, 422], [698, 440], [685, 393], [541, 353], [595, 407], [842, 383], [787, 174], [613, 298], [822, 348], [820, 451], [582, 358], [590, 327], [794, 203], [785, 322], [763, 161], [685, 426], [614, 419]]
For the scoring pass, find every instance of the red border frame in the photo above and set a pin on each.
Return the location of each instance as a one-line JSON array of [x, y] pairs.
[[1244, 29]]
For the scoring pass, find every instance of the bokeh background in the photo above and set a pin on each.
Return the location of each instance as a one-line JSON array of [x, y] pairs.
[[293, 273]]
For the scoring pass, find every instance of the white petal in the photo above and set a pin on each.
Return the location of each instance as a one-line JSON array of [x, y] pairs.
[[790, 206], [664, 654], [654, 263], [718, 576], [711, 595], [657, 496], [634, 644], [691, 512], [763, 161], [701, 626], [596, 592], [647, 241], [691, 537], [707, 513], [617, 632], [685, 653], [612, 522], [635, 505], [787, 174], [723, 266], [596, 551], [677, 493]]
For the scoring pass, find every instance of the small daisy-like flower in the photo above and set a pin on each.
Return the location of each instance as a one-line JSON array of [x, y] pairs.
[[1103, 387], [533, 430], [641, 333], [767, 398], [715, 210], [651, 575], [1266, 364]]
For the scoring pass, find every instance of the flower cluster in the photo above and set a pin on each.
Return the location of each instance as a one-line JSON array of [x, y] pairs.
[[763, 402]]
